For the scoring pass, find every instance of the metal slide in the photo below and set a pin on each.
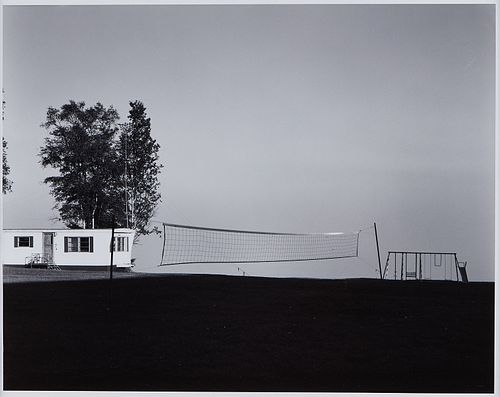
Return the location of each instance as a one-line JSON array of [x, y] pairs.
[[463, 271]]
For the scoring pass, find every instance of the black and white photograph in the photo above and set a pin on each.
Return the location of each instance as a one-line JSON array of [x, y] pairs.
[[294, 198]]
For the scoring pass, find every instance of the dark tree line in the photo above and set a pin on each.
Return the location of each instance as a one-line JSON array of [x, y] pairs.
[[108, 172]]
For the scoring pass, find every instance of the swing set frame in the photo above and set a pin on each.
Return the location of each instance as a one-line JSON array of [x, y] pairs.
[[418, 265]]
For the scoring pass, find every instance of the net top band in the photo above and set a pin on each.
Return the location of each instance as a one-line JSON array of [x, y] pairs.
[[254, 232]]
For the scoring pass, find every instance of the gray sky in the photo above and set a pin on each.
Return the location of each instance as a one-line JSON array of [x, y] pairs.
[[280, 118]]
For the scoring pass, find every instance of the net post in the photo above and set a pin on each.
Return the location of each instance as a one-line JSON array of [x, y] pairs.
[[378, 250], [164, 240]]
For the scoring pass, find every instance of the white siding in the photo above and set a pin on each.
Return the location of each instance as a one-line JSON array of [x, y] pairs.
[[99, 257], [17, 255]]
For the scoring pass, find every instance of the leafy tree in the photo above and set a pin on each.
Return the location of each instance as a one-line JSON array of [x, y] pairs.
[[138, 158], [81, 147], [6, 183]]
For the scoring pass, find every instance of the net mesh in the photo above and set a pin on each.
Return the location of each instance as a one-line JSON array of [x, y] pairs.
[[189, 244]]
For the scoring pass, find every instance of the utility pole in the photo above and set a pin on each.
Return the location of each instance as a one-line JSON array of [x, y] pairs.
[[112, 249]]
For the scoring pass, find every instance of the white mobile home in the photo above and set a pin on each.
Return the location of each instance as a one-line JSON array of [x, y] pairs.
[[67, 248]]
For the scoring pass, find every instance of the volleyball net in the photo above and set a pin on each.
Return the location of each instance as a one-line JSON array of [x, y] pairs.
[[184, 244]]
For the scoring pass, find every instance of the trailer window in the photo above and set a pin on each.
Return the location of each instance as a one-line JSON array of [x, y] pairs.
[[78, 244], [121, 244], [23, 241], [85, 244]]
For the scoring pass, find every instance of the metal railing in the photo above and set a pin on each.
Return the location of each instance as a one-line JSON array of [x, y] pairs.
[[37, 260]]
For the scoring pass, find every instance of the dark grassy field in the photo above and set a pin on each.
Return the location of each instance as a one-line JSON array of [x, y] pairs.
[[215, 333]]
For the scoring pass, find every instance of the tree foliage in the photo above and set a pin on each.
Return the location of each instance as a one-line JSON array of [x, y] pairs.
[[6, 182], [81, 147], [138, 154], [108, 173]]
